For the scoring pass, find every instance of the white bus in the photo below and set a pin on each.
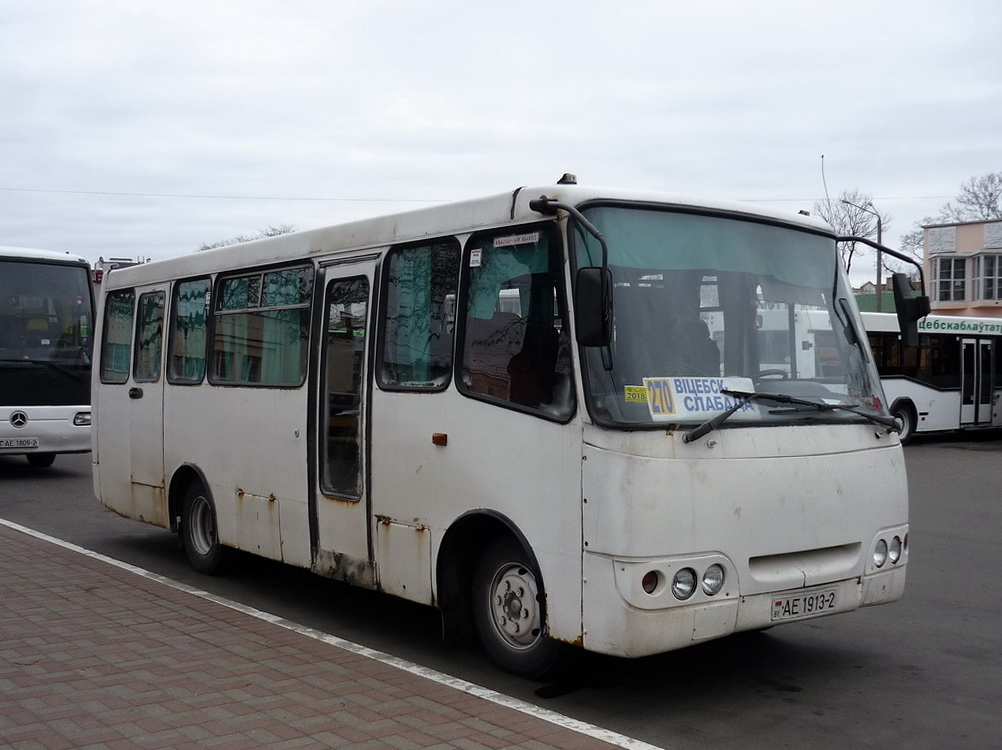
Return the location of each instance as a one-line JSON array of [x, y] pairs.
[[951, 381], [511, 409], [46, 314]]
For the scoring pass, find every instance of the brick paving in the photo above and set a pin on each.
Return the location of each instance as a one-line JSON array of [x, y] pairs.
[[96, 656]]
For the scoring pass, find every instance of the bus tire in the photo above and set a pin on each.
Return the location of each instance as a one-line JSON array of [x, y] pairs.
[[199, 531], [40, 460], [904, 413], [510, 612]]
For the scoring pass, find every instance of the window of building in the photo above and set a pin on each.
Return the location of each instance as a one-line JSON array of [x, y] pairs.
[[116, 346], [261, 327], [419, 316], [189, 321], [988, 277], [950, 279]]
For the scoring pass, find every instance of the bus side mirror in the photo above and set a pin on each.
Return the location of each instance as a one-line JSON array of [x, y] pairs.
[[593, 306], [910, 306]]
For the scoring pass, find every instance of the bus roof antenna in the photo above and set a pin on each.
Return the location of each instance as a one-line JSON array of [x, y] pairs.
[[568, 179]]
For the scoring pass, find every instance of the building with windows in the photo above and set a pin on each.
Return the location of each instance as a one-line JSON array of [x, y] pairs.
[[963, 267]]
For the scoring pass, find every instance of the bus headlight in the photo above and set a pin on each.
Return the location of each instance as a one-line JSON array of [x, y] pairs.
[[880, 553], [684, 584], [650, 582], [82, 419], [894, 550], [713, 580]]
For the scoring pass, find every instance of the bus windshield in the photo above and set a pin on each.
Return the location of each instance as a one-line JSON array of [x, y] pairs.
[[706, 308], [45, 332]]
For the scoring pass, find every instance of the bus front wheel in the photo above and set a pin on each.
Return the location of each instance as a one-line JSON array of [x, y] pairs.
[[40, 460], [198, 531], [510, 612]]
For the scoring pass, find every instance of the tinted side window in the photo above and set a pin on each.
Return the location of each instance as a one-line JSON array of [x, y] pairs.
[[261, 327], [189, 320], [116, 346], [347, 312], [149, 337], [419, 316], [515, 342]]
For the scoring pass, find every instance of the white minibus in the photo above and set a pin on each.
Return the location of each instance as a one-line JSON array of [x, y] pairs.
[[514, 409]]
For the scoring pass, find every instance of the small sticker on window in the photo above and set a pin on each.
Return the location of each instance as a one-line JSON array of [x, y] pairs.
[[635, 394], [517, 239], [475, 257]]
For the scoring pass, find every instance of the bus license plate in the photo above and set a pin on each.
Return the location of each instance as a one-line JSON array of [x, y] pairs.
[[21, 442], [804, 605]]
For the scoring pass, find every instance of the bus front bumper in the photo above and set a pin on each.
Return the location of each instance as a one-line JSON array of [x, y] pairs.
[[621, 628]]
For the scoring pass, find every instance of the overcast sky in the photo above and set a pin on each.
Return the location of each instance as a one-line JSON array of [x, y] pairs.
[[133, 128]]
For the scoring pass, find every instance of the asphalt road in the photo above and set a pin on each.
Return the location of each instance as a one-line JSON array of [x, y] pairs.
[[925, 672]]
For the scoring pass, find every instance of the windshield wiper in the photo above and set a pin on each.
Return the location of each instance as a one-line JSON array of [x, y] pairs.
[[45, 363], [749, 396]]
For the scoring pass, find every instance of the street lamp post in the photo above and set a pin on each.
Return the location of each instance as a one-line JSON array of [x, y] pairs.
[[868, 208]]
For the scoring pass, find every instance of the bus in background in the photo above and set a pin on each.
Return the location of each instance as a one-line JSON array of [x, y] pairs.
[[513, 409], [46, 325], [951, 381]]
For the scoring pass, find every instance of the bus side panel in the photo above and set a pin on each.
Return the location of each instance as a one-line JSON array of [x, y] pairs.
[[514, 464], [261, 497], [935, 410]]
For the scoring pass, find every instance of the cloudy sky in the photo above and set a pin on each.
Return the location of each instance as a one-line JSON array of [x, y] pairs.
[[142, 128]]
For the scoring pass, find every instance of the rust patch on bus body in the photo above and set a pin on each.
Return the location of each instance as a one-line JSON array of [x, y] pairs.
[[149, 504], [340, 567]]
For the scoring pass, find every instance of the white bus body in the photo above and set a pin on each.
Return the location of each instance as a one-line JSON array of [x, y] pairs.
[[400, 403], [951, 381], [46, 314]]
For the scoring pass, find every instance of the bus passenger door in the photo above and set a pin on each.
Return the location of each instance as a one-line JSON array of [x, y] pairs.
[[976, 385], [131, 405], [339, 525]]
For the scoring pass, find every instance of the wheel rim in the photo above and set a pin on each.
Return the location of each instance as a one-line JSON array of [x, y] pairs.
[[514, 606], [203, 527], [907, 426]]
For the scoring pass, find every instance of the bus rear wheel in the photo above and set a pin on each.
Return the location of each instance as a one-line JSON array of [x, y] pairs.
[[199, 532], [510, 612], [905, 416], [40, 460]]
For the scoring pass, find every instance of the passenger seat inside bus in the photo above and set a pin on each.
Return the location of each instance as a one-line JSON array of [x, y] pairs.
[[490, 345]]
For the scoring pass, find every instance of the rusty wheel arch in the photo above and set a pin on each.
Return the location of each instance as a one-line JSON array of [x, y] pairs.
[[180, 481], [463, 544]]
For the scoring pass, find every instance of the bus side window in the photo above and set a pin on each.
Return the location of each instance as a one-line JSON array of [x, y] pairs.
[[515, 344], [149, 337], [261, 327], [116, 348], [344, 354], [418, 316], [189, 320]]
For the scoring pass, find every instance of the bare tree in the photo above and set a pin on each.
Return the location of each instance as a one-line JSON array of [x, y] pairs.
[[852, 214], [271, 231], [979, 199]]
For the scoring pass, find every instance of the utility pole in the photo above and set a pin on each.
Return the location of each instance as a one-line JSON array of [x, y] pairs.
[[868, 208]]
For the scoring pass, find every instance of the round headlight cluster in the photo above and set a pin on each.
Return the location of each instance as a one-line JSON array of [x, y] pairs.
[[685, 581], [891, 550], [683, 585]]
